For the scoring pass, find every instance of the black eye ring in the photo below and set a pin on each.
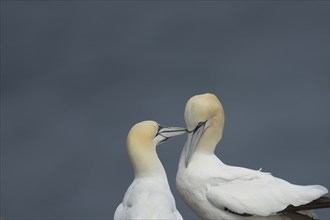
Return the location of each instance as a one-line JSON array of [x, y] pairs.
[[159, 128], [199, 125]]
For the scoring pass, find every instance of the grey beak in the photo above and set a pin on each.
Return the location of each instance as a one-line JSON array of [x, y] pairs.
[[165, 133], [193, 138], [171, 131]]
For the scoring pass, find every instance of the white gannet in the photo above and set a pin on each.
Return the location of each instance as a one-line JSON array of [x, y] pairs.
[[214, 190], [149, 196]]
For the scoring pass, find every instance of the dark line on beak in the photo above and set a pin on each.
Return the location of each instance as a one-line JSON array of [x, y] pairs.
[[174, 131], [159, 128], [197, 127], [163, 141]]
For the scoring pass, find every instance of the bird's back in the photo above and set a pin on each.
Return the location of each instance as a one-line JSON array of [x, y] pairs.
[[214, 189]]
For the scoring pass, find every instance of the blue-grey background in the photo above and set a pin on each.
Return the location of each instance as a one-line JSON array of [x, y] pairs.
[[76, 75]]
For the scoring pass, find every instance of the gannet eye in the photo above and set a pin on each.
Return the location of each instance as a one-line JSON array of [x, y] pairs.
[[159, 138], [158, 130], [200, 124]]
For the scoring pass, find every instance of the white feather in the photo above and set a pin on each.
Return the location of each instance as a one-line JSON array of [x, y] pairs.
[[148, 198], [261, 194]]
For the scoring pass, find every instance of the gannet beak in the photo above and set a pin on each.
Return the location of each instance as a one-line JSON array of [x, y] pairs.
[[193, 138], [165, 133]]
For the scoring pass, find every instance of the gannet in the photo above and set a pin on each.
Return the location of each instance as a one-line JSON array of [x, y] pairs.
[[214, 190], [149, 196]]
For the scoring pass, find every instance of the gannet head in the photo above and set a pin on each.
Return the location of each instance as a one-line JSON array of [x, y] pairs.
[[142, 140], [204, 117]]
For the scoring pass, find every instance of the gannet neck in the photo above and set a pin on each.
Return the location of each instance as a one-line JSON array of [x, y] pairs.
[[212, 135], [142, 150], [146, 164]]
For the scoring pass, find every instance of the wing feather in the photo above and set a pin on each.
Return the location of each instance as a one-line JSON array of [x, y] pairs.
[[260, 194]]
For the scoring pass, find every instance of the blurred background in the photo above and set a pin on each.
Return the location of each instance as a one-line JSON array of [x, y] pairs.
[[76, 75]]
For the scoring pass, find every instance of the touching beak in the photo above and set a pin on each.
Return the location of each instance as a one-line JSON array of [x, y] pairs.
[[193, 138], [165, 133]]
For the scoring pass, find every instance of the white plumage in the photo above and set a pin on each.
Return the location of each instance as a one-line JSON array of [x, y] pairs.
[[214, 190], [149, 196]]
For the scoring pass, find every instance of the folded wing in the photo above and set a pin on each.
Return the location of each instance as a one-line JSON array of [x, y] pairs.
[[260, 194]]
